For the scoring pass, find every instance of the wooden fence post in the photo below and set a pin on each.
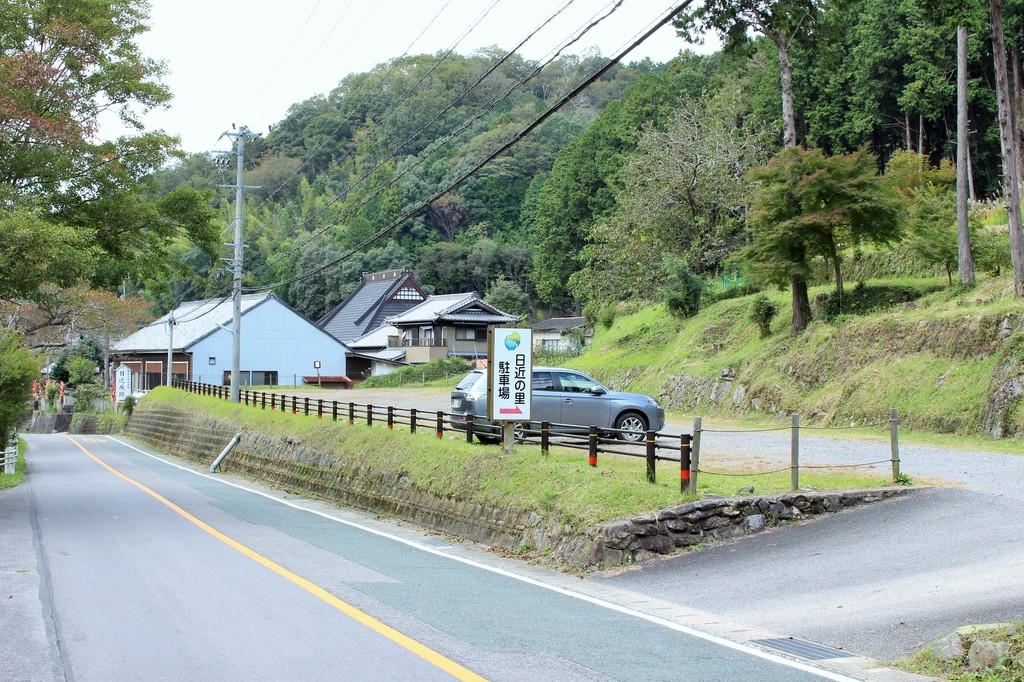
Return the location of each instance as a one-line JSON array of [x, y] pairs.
[[698, 427]]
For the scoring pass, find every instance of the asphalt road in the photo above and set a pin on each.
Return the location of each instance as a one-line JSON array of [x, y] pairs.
[[878, 581], [150, 571]]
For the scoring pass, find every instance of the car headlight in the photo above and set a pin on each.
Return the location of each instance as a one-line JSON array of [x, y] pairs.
[[653, 402]]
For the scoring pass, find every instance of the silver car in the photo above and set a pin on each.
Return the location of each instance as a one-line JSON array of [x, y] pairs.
[[562, 396]]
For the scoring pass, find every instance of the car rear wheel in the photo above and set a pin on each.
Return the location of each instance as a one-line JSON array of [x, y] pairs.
[[632, 427]]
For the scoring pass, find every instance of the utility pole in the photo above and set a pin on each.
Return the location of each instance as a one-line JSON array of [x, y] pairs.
[[170, 349], [239, 136]]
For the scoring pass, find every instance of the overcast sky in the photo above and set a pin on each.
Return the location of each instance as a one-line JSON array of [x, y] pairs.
[[245, 62]]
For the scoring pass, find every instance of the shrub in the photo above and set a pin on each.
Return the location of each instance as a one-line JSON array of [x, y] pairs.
[[86, 396], [864, 299], [414, 374], [601, 313], [81, 370], [762, 311], [715, 292], [682, 288], [18, 367], [128, 405]]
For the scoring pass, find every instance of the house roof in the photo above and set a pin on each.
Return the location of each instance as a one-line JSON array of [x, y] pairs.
[[392, 355], [377, 338], [464, 307], [375, 297], [194, 320], [558, 324]]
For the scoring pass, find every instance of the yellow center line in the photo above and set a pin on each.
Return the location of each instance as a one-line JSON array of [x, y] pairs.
[[444, 663]]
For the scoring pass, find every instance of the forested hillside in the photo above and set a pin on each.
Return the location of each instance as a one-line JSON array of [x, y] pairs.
[[644, 174]]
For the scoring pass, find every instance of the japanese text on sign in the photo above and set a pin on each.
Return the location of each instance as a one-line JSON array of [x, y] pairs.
[[510, 369]]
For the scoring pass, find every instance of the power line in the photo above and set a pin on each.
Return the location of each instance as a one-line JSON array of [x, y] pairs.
[[280, 62], [594, 21], [404, 96], [497, 152], [319, 47]]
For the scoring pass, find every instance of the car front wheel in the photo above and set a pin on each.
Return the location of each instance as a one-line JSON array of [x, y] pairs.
[[632, 427]]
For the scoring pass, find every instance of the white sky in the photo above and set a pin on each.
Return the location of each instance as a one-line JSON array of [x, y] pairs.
[[246, 62]]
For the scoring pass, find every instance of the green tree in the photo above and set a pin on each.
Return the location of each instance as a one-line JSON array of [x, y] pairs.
[[683, 193], [681, 289], [808, 205], [82, 207], [580, 189], [779, 20], [18, 368], [507, 296], [81, 371]]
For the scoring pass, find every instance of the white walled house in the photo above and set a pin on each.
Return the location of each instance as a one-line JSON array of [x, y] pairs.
[[561, 334], [279, 346]]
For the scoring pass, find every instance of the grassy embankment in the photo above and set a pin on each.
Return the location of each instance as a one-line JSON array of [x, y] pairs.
[[11, 480], [933, 361], [560, 484]]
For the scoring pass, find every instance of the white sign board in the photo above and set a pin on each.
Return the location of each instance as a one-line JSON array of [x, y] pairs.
[[509, 374], [122, 383]]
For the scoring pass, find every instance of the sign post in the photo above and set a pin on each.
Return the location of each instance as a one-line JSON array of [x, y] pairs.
[[122, 383], [316, 366], [509, 379]]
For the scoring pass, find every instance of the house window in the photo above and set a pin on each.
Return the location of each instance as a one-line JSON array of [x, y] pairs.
[[264, 378], [471, 333], [408, 294]]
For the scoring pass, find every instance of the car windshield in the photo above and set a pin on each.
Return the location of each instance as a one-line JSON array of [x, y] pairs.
[[472, 381]]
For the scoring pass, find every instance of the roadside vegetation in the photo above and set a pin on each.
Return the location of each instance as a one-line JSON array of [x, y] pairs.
[[1007, 668], [11, 480], [561, 483], [438, 372], [934, 358]]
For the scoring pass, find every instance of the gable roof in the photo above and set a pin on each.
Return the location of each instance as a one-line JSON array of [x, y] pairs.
[[377, 338], [559, 324], [465, 307], [194, 320], [378, 295]]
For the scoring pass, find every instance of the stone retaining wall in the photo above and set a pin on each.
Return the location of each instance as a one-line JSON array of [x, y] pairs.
[[290, 465]]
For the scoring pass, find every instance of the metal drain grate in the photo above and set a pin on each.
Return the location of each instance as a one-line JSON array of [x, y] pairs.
[[798, 647]]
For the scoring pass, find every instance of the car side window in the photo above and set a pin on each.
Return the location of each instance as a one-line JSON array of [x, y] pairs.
[[543, 381], [575, 383]]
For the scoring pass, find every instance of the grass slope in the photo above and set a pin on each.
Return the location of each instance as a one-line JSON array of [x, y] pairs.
[[560, 484], [933, 362], [11, 480]]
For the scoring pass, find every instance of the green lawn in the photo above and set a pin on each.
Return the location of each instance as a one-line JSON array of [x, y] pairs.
[[11, 480], [560, 483]]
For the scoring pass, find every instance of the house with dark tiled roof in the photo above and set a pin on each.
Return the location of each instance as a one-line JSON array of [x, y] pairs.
[[360, 318], [378, 295]]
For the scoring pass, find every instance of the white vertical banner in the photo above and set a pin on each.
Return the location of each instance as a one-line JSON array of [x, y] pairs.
[[509, 374], [122, 383]]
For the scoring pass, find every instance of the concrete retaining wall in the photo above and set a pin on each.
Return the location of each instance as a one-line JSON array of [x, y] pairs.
[[290, 465]]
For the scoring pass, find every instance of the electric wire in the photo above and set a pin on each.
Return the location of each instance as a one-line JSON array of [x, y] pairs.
[[597, 19], [388, 112], [595, 75], [391, 67]]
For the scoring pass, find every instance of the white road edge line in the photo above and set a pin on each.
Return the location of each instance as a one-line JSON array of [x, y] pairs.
[[721, 641]]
